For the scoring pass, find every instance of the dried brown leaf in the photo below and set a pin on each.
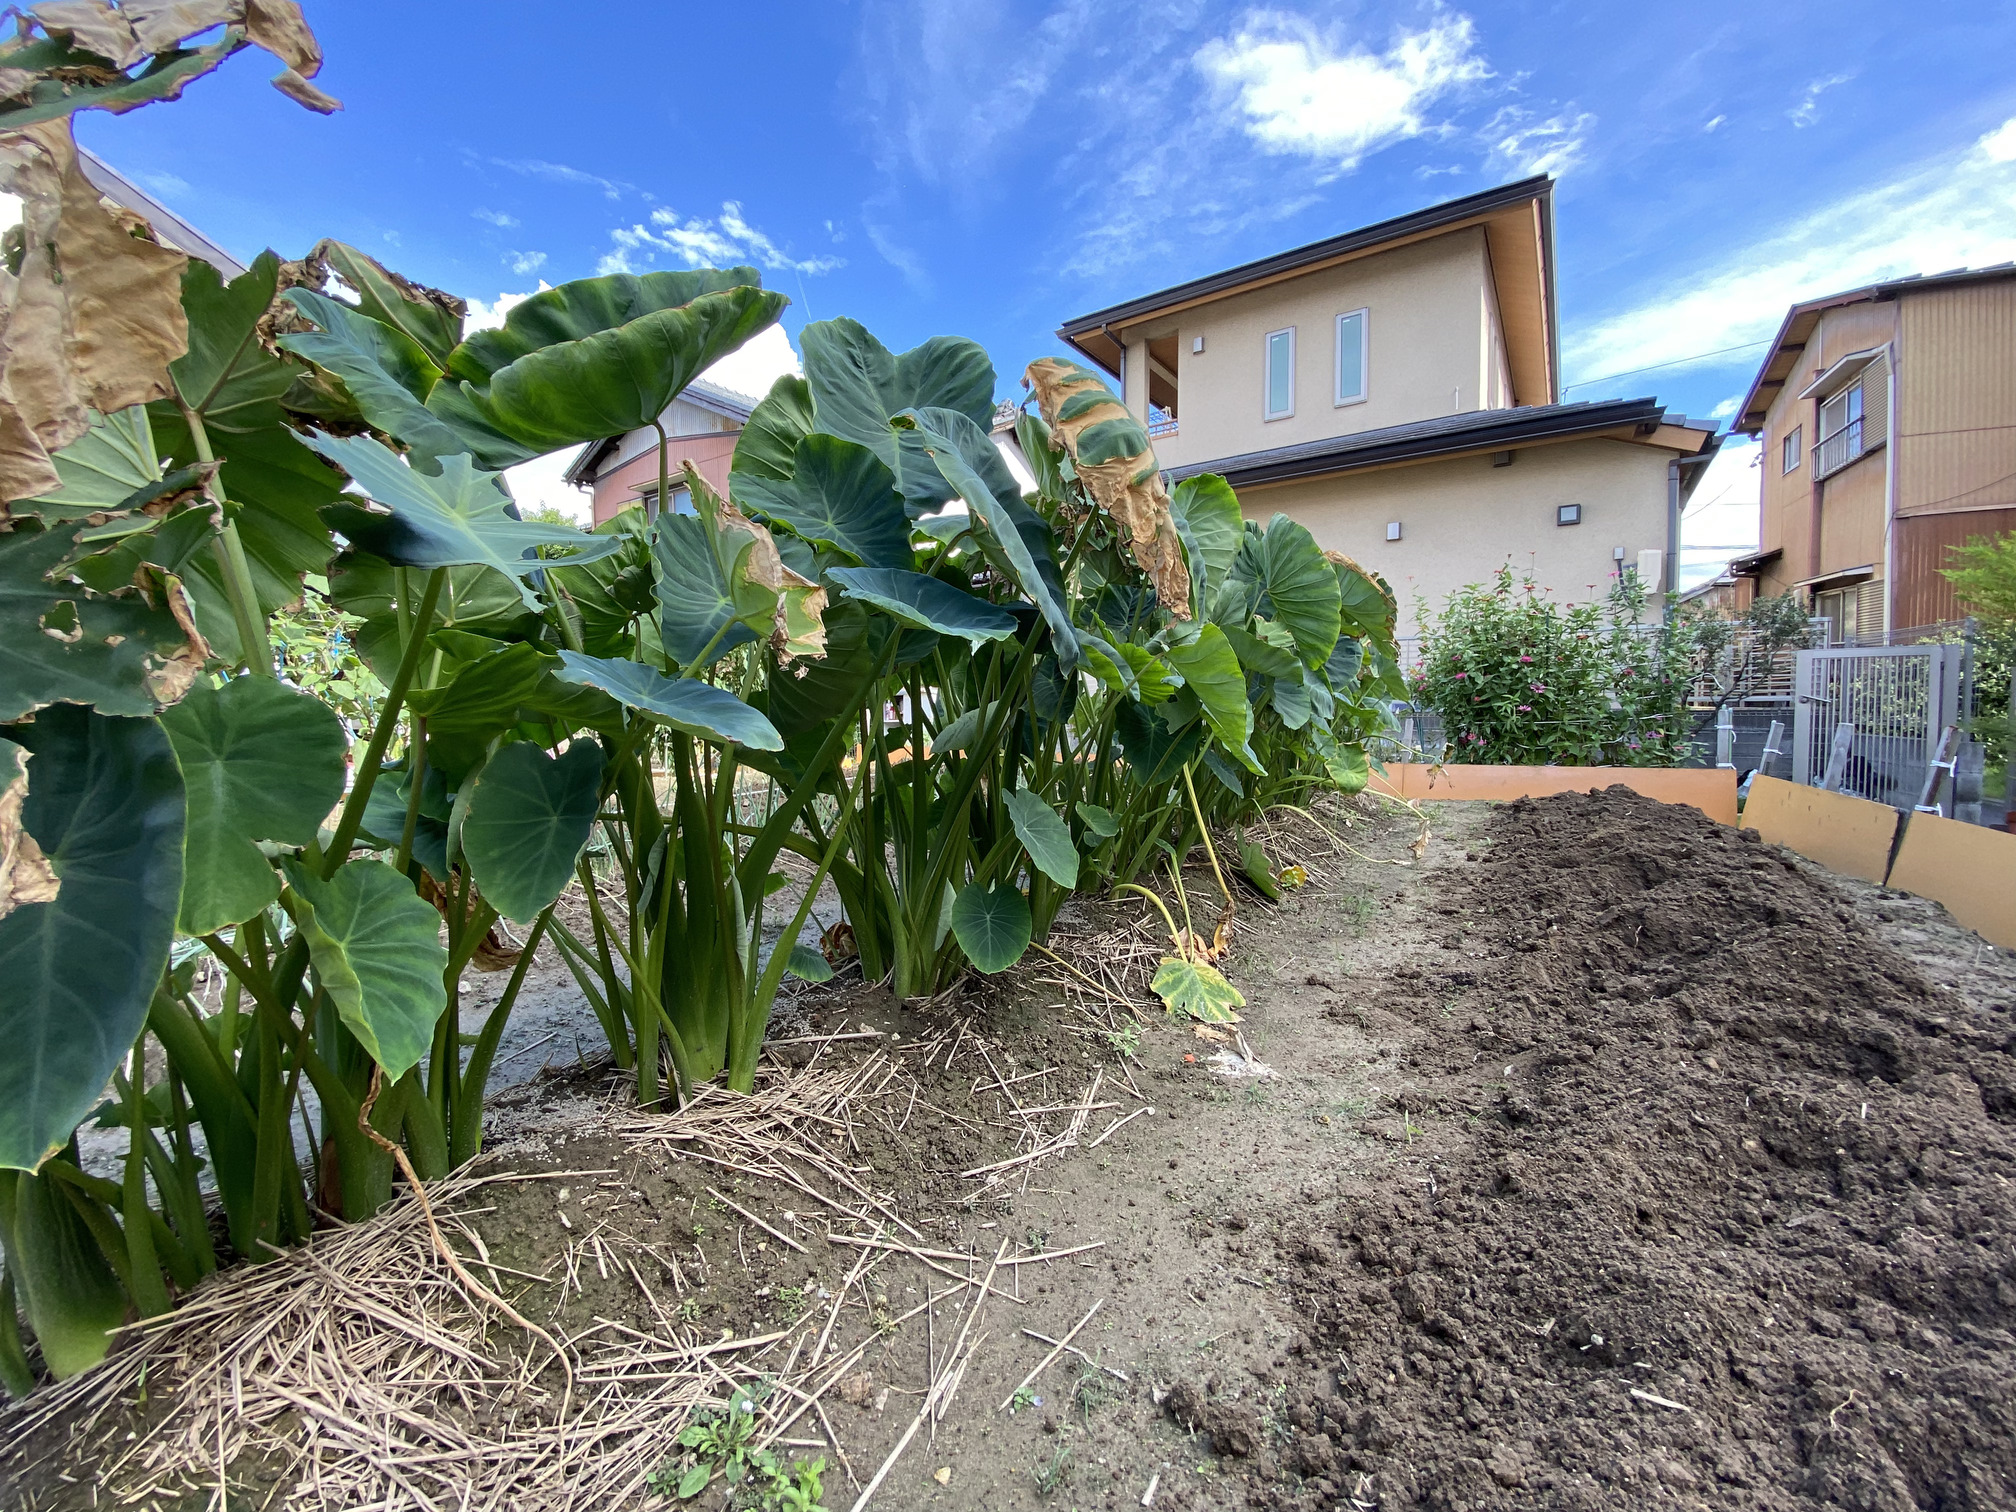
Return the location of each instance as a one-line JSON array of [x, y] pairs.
[[163, 25], [92, 25], [299, 90], [25, 873], [15, 82], [279, 27], [92, 320], [1127, 486]]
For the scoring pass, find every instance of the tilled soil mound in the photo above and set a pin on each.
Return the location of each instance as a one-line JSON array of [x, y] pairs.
[[1727, 1217]]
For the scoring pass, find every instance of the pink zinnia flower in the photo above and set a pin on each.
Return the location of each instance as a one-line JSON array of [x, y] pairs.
[[1525, 708], [1539, 687]]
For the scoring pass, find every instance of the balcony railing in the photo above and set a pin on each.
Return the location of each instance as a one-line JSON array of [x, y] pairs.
[[1157, 429], [1838, 450]]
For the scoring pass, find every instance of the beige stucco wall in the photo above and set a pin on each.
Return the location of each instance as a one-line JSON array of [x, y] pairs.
[[1435, 349], [1461, 519]]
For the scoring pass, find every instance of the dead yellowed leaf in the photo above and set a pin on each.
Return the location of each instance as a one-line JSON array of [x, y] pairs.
[[942, 1475], [1109, 448], [25, 873], [91, 321], [299, 90]]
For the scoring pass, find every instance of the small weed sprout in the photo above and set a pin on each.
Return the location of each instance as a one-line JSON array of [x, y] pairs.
[[720, 1442], [1051, 1477], [1126, 1040], [792, 1300], [1024, 1397], [689, 1309], [1089, 1392]]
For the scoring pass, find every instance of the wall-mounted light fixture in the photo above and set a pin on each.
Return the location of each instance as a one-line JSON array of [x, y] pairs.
[[1197, 344], [1567, 514], [1616, 553], [1392, 530]]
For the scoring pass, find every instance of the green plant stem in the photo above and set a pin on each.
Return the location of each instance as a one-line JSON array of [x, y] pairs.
[[149, 1294], [1175, 935], [1205, 830], [237, 571], [365, 774], [416, 777]]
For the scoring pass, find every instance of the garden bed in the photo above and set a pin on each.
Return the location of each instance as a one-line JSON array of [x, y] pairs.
[[1608, 1158]]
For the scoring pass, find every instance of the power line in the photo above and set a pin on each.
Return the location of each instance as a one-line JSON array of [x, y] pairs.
[[1676, 362]]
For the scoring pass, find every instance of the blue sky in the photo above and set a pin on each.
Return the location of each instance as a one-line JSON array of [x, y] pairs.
[[929, 166]]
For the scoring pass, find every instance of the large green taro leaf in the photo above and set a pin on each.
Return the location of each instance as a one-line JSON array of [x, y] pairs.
[[610, 594], [992, 923], [1368, 605], [478, 599], [603, 384], [528, 818], [858, 386], [67, 644], [685, 703], [385, 817], [104, 804], [228, 376], [1156, 754], [386, 371], [586, 307], [1263, 656], [966, 457], [1208, 508], [1210, 669], [259, 761], [376, 948], [839, 494], [924, 602], [102, 469], [1045, 836], [1128, 668], [1298, 586], [704, 601], [384, 296], [479, 703], [768, 445], [457, 517]]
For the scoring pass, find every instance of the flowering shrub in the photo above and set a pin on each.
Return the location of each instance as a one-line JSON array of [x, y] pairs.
[[1520, 679]]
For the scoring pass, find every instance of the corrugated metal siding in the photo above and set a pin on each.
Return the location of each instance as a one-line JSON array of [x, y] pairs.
[[1851, 516], [1956, 434], [1923, 596]]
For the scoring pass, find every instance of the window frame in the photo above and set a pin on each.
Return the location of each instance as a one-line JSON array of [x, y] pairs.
[[1340, 399], [1791, 447], [1268, 414]]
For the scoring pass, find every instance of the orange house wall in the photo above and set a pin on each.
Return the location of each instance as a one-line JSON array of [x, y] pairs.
[[709, 454]]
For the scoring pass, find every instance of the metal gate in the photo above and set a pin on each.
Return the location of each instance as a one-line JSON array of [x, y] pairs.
[[1896, 699]]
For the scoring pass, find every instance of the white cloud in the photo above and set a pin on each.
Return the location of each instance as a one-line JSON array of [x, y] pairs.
[[1999, 145], [1807, 111], [699, 243], [1948, 213], [560, 173], [1726, 409], [487, 315], [538, 484], [1306, 92], [167, 185], [1716, 123], [496, 218], [1523, 144], [755, 365], [525, 262], [1722, 520]]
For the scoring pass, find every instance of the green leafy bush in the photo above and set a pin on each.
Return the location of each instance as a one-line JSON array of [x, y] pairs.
[[1521, 679]]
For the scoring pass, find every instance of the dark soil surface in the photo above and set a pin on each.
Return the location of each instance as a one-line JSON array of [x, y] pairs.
[[1727, 1222]]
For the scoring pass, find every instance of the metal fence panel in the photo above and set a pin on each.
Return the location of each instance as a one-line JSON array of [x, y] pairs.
[[1897, 699]]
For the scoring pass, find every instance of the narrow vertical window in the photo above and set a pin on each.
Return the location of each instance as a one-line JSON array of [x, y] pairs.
[[1792, 448], [1352, 351], [1280, 396]]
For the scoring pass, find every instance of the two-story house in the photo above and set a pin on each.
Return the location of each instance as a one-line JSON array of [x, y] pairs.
[[1888, 421], [1396, 389]]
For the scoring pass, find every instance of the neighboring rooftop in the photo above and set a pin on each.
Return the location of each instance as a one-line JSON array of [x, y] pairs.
[[169, 228], [1479, 431], [1789, 345], [1518, 223]]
